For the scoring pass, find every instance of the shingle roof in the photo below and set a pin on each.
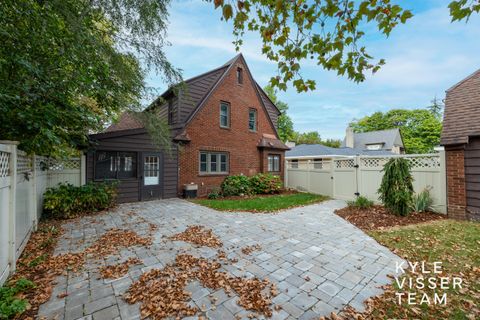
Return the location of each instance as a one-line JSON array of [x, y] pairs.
[[305, 150], [461, 118], [127, 121], [386, 137]]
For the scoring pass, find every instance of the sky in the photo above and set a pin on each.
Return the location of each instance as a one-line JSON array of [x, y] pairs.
[[424, 58]]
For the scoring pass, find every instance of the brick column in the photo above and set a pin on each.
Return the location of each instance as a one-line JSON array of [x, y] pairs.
[[456, 193]]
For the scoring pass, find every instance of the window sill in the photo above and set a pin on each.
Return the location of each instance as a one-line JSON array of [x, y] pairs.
[[225, 128], [213, 174]]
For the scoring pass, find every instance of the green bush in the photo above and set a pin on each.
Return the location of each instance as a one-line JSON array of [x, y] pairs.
[[422, 201], [236, 186], [67, 201], [396, 189], [360, 203], [265, 183], [214, 194], [10, 303]]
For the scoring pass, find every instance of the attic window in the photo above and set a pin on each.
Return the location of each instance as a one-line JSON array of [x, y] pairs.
[[239, 75], [376, 146]]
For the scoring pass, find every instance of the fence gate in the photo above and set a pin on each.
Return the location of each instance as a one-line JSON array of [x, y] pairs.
[[345, 178]]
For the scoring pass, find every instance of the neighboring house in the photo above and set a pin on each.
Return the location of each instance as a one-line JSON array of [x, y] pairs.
[[222, 123], [386, 140], [461, 139], [300, 155], [375, 143]]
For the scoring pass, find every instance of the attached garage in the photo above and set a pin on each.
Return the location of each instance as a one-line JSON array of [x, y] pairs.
[[130, 157], [461, 138]]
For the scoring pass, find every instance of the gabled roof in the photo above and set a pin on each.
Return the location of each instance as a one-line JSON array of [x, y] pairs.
[[388, 138], [127, 121], [461, 118], [314, 150], [195, 92]]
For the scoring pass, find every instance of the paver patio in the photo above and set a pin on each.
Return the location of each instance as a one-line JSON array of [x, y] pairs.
[[342, 264]]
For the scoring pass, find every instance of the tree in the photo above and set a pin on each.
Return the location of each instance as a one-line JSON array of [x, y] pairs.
[[284, 122], [396, 189], [311, 137], [333, 143], [327, 32], [420, 128], [68, 67], [436, 107]]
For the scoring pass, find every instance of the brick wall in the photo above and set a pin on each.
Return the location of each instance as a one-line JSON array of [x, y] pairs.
[[456, 193], [238, 141]]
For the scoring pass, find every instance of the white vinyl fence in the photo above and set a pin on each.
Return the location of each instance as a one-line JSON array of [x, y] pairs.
[[23, 181], [347, 177]]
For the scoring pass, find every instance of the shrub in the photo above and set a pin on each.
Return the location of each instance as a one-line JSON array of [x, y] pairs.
[[422, 201], [263, 183], [236, 186], [360, 203], [396, 189], [214, 194], [67, 201], [10, 303]]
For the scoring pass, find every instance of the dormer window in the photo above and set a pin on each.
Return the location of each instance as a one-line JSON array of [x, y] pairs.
[[375, 146], [239, 75]]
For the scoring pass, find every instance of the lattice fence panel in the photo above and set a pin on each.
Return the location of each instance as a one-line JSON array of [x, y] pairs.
[[60, 165], [4, 164], [346, 163], [24, 162], [417, 162]]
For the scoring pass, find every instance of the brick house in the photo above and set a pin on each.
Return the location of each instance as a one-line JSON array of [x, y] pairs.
[[222, 123], [461, 139]]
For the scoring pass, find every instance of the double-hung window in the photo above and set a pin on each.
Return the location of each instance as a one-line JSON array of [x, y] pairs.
[[273, 162], [224, 115], [239, 75], [213, 162], [115, 165], [252, 119]]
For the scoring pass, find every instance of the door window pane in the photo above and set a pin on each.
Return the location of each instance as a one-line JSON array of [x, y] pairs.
[[151, 170]]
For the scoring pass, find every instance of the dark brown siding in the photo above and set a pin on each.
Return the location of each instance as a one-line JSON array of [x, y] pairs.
[[196, 89], [129, 190], [271, 109], [472, 177]]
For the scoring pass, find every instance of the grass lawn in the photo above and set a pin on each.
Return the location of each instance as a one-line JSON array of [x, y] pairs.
[[263, 203], [455, 244]]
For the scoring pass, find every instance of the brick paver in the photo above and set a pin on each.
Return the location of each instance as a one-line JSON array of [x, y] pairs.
[[319, 262]]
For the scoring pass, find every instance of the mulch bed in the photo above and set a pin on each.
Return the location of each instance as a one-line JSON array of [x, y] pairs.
[[282, 192], [377, 217]]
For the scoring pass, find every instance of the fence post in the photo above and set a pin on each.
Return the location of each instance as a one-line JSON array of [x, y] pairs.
[[358, 175], [11, 213], [309, 187], [83, 169], [443, 181], [34, 193], [285, 174]]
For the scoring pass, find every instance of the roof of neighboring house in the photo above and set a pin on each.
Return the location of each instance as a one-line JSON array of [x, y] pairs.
[[388, 138], [313, 150], [461, 118], [127, 121]]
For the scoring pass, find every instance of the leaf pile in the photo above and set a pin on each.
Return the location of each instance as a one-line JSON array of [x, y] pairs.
[[38, 264], [378, 218], [249, 249], [198, 235], [114, 239], [163, 294], [118, 270]]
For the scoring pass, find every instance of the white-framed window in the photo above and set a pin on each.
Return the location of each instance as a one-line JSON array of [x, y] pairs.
[[318, 163], [213, 162], [294, 163], [273, 162], [252, 119], [376, 146], [224, 115]]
